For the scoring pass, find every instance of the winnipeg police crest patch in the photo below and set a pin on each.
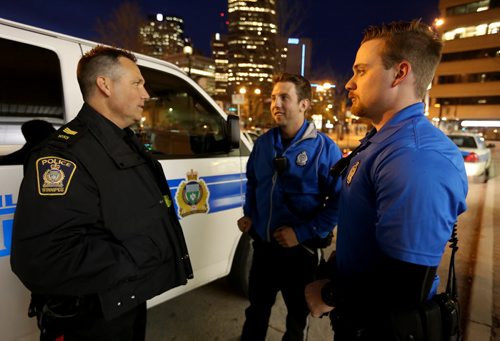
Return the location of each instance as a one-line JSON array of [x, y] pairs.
[[301, 159], [54, 175], [192, 195]]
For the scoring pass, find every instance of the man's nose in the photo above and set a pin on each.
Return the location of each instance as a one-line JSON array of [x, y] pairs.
[[350, 85]]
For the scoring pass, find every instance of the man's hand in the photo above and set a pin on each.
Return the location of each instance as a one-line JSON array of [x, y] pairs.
[[313, 298], [244, 224], [285, 236]]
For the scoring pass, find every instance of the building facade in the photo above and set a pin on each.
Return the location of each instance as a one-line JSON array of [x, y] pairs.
[[162, 35], [251, 44], [298, 56], [199, 68], [467, 81], [219, 55]]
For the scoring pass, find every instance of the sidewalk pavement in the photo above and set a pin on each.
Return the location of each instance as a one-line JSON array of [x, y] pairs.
[[482, 306]]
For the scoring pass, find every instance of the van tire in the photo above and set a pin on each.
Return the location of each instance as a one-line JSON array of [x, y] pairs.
[[242, 262]]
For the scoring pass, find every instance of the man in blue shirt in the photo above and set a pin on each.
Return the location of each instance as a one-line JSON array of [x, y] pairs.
[[290, 207], [401, 193]]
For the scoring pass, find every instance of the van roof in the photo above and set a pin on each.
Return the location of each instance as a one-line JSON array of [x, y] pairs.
[[82, 41]]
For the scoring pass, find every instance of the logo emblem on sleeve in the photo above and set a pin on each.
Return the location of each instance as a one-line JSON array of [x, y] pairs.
[[352, 171], [54, 175]]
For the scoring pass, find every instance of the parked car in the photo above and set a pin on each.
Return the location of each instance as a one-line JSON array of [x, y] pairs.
[[477, 156], [250, 135]]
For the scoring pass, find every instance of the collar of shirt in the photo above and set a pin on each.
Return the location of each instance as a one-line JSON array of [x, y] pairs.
[[398, 121], [112, 138], [278, 145]]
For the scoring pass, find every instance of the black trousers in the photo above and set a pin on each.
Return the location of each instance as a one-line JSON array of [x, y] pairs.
[[274, 269], [91, 326]]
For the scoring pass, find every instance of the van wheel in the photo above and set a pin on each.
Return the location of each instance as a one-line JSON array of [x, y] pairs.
[[242, 262]]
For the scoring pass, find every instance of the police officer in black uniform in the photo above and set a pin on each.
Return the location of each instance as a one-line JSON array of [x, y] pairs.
[[95, 232]]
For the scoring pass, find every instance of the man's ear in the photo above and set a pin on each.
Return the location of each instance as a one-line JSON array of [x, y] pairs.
[[402, 71], [103, 85], [304, 104]]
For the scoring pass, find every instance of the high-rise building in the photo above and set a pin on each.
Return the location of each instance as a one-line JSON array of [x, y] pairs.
[[467, 81], [200, 68], [162, 35], [219, 54], [298, 56], [251, 44]]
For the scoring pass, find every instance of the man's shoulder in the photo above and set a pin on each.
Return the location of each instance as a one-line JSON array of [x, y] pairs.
[[71, 132], [61, 143], [265, 138]]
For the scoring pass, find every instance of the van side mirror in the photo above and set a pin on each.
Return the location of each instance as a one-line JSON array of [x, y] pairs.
[[233, 131], [490, 145]]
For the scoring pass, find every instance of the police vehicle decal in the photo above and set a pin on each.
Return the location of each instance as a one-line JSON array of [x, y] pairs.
[[192, 195], [225, 191], [7, 208]]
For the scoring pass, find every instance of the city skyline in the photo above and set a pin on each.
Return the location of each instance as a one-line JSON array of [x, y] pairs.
[[335, 29]]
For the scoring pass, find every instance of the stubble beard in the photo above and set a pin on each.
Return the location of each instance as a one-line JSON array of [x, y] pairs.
[[358, 109]]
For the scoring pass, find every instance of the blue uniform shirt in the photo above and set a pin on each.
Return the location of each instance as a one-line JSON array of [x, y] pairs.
[[400, 195], [296, 197]]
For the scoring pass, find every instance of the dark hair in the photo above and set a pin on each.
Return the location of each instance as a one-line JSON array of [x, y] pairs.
[[412, 41], [302, 85], [100, 61]]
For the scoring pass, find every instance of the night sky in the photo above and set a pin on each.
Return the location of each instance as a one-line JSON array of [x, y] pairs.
[[334, 26]]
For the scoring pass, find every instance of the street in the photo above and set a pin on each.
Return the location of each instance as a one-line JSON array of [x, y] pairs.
[[216, 311]]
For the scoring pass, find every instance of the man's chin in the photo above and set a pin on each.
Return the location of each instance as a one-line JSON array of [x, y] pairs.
[[279, 121], [356, 111]]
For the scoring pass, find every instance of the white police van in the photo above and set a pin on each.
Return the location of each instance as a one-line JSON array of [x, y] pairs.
[[196, 142]]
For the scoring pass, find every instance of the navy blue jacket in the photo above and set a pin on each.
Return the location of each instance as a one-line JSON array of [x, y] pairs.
[[303, 196], [95, 217]]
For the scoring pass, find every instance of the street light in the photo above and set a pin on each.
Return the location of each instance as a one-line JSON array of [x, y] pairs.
[[438, 22], [188, 51]]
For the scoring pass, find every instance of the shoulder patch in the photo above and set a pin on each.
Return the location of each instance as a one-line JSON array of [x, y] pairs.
[[54, 175]]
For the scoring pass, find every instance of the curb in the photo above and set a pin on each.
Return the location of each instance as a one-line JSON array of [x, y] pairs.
[[479, 325]]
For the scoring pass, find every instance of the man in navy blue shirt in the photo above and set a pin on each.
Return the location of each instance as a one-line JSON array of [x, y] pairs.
[[401, 193]]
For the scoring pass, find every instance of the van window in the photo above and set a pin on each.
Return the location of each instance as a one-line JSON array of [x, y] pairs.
[[31, 89], [178, 121]]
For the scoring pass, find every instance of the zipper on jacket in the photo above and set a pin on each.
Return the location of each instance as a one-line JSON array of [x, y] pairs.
[[268, 232]]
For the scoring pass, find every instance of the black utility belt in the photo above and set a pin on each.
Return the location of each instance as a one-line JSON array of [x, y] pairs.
[[319, 243], [435, 320]]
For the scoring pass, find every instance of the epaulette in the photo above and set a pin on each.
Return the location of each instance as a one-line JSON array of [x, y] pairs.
[[69, 134]]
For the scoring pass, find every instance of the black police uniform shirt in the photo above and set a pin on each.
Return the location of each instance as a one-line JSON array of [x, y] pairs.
[[95, 216]]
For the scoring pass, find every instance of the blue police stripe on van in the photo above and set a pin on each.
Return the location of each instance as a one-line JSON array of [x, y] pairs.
[[226, 192], [7, 208]]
